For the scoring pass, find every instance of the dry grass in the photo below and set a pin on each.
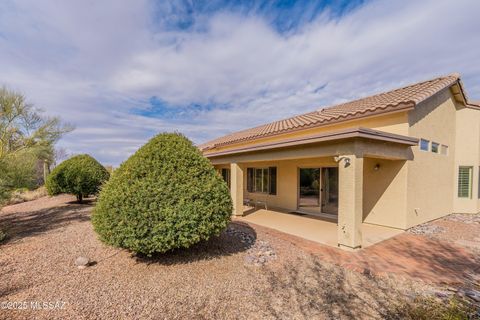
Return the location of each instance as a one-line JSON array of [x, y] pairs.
[[24, 195], [428, 308]]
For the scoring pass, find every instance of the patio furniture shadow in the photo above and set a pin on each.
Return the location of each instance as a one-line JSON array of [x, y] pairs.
[[237, 238]]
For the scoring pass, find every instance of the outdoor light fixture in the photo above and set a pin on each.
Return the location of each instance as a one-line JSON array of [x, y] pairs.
[[377, 166], [345, 159]]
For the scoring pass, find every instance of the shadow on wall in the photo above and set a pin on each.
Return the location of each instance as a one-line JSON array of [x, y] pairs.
[[428, 105]]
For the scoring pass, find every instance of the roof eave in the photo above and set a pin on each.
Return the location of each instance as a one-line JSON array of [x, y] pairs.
[[324, 137]]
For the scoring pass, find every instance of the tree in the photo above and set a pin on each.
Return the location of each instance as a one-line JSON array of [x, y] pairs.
[[26, 137], [165, 196], [81, 176]]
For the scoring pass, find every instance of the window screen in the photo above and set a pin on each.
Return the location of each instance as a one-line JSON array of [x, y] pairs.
[[465, 182]]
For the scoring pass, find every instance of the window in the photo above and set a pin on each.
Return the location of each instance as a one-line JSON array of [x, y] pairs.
[[435, 147], [478, 182], [465, 182], [263, 180], [444, 150], [226, 176], [424, 144]]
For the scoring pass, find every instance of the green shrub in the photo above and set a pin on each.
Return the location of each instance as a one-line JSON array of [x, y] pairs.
[[3, 236], [165, 196], [81, 175]]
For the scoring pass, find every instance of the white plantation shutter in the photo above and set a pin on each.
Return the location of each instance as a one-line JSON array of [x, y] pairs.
[[465, 182]]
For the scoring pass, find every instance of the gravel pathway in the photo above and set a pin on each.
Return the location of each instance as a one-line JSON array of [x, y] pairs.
[[245, 273]]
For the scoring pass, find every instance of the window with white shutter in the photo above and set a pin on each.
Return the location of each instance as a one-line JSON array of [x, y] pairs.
[[465, 182]]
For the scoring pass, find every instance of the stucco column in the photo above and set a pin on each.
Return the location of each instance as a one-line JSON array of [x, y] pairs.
[[236, 188], [350, 202]]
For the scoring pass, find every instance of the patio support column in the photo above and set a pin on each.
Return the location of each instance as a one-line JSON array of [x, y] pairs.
[[236, 188], [350, 204]]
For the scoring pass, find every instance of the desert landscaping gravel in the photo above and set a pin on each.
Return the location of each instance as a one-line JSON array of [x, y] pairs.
[[245, 273]]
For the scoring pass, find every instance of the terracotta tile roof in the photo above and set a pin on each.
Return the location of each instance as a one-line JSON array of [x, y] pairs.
[[395, 100]]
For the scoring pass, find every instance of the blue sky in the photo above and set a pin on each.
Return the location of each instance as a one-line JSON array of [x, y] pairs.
[[122, 71]]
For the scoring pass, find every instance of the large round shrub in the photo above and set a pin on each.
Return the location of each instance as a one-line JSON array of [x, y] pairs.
[[81, 175], [165, 196]]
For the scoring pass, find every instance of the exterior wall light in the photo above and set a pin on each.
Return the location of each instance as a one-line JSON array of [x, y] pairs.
[[346, 160], [377, 166]]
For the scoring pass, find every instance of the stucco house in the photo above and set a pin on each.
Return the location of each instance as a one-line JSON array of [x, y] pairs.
[[395, 159]]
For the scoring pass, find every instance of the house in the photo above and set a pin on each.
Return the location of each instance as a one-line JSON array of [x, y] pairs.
[[395, 159]]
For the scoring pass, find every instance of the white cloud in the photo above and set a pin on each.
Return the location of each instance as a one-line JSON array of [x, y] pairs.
[[93, 62]]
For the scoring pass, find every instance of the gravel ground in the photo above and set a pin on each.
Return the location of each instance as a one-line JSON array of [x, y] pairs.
[[458, 228], [243, 274]]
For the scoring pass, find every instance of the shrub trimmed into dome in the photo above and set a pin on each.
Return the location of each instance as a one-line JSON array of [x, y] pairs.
[[165, 196], [81, 176]]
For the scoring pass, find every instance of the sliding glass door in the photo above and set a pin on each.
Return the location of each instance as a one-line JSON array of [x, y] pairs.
[[329, 190], [309, 185], [318, 190]]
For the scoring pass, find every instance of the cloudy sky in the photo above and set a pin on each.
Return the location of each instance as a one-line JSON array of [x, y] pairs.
[[122, 71]]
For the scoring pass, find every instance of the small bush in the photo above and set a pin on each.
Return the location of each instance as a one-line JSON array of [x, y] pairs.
[[3, 236], [165, 196], [81, 176]]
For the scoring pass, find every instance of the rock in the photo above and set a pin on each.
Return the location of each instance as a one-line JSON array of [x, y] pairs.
[[441, 294], [426, 229], [260, 253], [473, 294], [82, 262]]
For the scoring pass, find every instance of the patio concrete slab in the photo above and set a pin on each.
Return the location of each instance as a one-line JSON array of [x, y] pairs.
[[314, 228]]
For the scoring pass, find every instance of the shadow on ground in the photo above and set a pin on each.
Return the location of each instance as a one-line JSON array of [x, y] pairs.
[[419, 257], [315, 290], [22, 224], [237, 238]]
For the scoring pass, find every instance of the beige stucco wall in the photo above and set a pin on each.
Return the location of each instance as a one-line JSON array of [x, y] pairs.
[[430, 176], [384, 192], [467, 154]]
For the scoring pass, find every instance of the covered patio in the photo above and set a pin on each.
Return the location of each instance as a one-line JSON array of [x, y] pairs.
[[369, 171], [313, 228]]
